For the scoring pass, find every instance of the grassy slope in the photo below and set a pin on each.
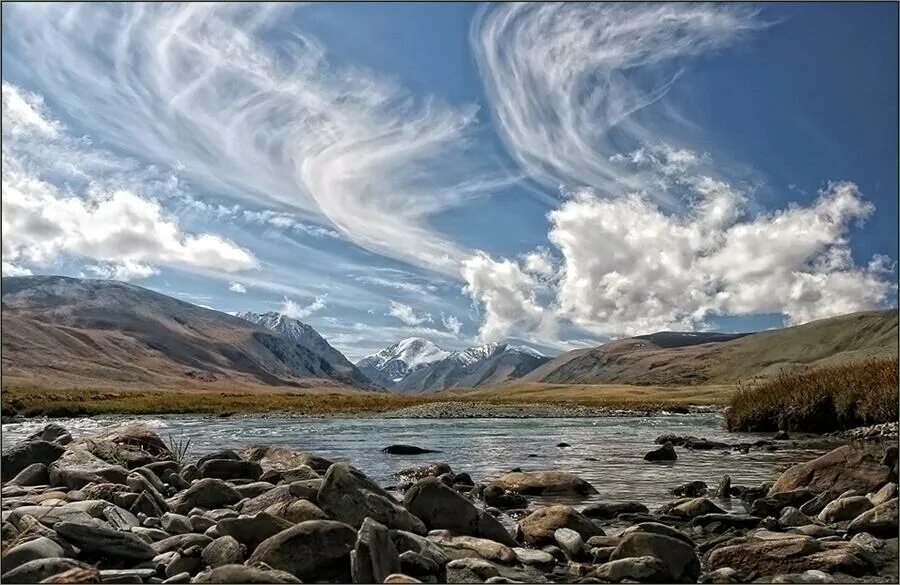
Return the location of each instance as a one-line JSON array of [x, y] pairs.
[[838, 340]]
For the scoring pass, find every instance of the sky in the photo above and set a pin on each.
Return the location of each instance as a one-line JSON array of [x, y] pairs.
[[555, 175]]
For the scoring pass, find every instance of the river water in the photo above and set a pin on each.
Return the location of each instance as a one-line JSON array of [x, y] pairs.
[[606, 451]]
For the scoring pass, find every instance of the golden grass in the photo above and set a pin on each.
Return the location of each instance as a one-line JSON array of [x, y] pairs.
[[827, 399], [38, 401]]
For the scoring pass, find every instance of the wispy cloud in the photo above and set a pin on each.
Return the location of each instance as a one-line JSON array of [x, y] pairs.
[[451, 323], [407, 314]]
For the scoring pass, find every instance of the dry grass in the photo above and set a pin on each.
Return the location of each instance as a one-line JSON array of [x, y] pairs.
[[36, 401], [828, 399]]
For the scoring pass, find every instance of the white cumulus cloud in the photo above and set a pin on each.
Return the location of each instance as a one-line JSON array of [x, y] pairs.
[[407, 314], [451, 323], [237, 287], [291, 309]]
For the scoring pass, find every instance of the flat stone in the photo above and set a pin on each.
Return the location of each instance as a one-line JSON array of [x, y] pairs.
[[544, 483], [39, 548], [486, 549], [882, 520], [539, 526], [252, 530], [843, 509], [39, 569], [244, 574], [225, 550], [99, 537]]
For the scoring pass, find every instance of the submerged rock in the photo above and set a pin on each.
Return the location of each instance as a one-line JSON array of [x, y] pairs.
[[543, 483], [664, 453]]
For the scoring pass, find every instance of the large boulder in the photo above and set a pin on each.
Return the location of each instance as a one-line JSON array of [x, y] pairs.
[[252, 530], [98, 537], [349, 496], [880, 521], [845, 468], [52, 432], [645, 569], [664, 453], [297, 511], [25, 453], [283, 458], [544, 483], [34, 474], [680, 560], [231, 469], [788, 553], [225, 550], [39, 569], [441, 507], [76, 468], [538, 527], [132, 445], [317, 550], [374, 556], [39, 548], [205, 493], [843, 509]]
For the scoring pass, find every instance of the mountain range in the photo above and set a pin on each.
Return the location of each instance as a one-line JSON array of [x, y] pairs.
[[67, 332]]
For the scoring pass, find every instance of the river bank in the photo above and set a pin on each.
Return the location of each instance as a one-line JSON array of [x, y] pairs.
[[121, 505]]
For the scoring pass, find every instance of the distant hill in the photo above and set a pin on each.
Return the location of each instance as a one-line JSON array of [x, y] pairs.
[[69, 332], [670, 358]]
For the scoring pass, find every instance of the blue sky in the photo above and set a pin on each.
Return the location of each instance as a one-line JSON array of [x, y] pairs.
[[554, 175]]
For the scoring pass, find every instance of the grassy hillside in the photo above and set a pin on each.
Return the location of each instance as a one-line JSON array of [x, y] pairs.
[[828, 342]]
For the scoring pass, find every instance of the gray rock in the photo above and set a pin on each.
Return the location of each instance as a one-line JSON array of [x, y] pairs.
[[230, 469], [99, 537], [664, 453], [442, 507], [570, 542], [349, 496], [679, 558], [657, 528], [297, 511], [225, 550], [882, 520], [529, 556], [773, 504], [407, 541], [138, 483], [179, 578], [119, 518], [34, 474], [300, 473], [813, 530], [180, 541], [150, 534], [817, 504], [696, 507], [25, 453], [253, 489], [606, 511], [278, 495], [243, 574], [462, 570], [205, 493], [76, 468], [792, 517], [39, 548], [183, 563], [145, 504], [811, 576], [53, 433], [843, 509], [313, 550], [374, 556], [176, 523], [48, 516], [201, 523], [412, 563], [887, 492], [646, 569], [39, 569], [252, 530], [486, 549], [498, 497]]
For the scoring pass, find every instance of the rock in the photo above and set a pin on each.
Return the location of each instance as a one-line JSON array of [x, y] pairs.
[[119, 518], [696, 507], [431, 470], [406, 450], [39, 569], [723, 491], [205, 493], [243, 574], [813, 530], [792, 517], [528, 556], [34, 474], [570, 542], [544, 483], [705, 445], [179, 578], [788, 553], [609, 511], [349, 496], [315, 550], [440, 506], [77, 468], [657, 528], [844, 468], [484, 548], [407, 541], [538, 527], [498, 497], [678, 557], [25, 453], [282, 458], [278, 495], [772, 505], [726, 521], [781, 436], [180, 542], [817, 504], [98, 537], [640, 569], [412, 563], [887, 492], [843, 509], [462, 570], [811, 576], [297, 511], [299, 473], [181, 562], [39, 548], [400, 578], [145, 504], [230, 469], [374, 556], [48, 516], [176, 523], [150, 534], [882, 520], [691, 489], [252, 530], [53, 433], [222, 454], [664, 453], [723, 575]]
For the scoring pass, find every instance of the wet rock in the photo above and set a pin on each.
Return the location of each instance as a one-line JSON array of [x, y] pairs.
[[678, 557], [772, 505], [39, 548], [221, 454], [544, 483], [725, 521], [205, 493], [781, 436], [844, 468], [297, 511], [538, 527], [282, 458], [442, 507], [406, 450], [98, 537], [132, 444], [570, 542], [723, 491], [244, 574], [646, 569], [374, 555], [607, 511], [252, 530], [77, 468], [705, 445], [691, 489], [39, 569], [484, 548], [53, 433], [414, 474], [498, 497], [349, 496], [696, 507], [25, 453], [230, 469], [843, 509], [314, 550], [34, 474], [664, 453], [882, 520]]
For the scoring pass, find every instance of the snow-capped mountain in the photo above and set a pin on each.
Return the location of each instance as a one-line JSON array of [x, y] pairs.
[[417, 365], [393, 363], [305, 336]]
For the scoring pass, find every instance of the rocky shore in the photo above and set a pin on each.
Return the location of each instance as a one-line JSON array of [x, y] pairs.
[[451, 409], [125, 507]]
